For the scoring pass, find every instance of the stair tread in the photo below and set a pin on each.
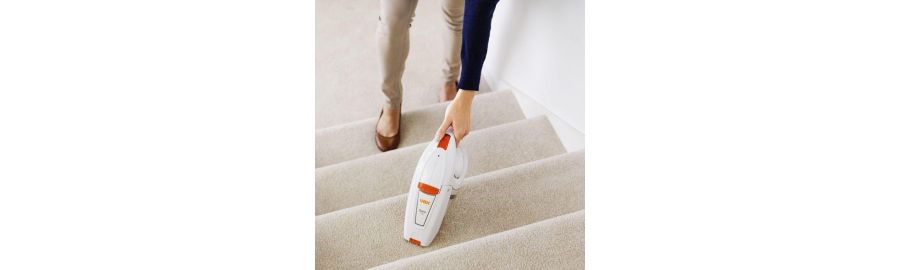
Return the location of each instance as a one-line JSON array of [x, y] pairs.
[[368, 235], [388, 174], [556, 243], [357, 139]]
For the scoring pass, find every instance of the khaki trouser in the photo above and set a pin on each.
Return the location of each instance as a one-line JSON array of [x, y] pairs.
[[392, 38]]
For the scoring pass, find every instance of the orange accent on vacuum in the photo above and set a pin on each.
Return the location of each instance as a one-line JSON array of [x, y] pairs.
[[444, 142], [428, 189]]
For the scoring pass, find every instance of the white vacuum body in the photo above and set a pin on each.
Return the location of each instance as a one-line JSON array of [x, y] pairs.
[[438, 175]]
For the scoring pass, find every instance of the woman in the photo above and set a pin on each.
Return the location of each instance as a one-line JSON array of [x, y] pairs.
[[393, 46]]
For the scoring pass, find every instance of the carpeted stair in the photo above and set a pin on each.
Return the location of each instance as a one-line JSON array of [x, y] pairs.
[[542, 245], [394, 169], [521, 205], [355, 140]]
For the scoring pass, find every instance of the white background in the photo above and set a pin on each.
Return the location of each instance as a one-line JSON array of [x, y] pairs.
[[178, 135], [156, 134], [743, 134]]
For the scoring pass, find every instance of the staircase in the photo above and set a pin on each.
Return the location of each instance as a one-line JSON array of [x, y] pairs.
[[521, 205]]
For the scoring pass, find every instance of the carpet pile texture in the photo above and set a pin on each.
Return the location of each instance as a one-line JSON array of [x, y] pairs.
[[521, 205]]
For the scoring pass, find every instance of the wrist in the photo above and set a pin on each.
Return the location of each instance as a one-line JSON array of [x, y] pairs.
[[465, 95]]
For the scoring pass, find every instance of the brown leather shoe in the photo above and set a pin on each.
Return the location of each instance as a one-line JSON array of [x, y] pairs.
[[387, 143]]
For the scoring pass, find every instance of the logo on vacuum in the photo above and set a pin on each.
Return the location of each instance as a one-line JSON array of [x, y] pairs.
[[424, 201]]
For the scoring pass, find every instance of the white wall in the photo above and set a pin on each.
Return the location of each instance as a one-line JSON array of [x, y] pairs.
[[537, 48]]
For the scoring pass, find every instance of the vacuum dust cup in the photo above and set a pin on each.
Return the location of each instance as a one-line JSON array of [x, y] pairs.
[[439, 173]]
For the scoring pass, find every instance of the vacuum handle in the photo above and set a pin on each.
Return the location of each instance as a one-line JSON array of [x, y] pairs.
[[447, 140], [460, 166]]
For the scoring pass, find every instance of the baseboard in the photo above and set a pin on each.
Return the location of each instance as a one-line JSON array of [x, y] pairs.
[[571, 138]]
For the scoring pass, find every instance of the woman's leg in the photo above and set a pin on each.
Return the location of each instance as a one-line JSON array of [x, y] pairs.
[[392, 38], [392, 41], [452, 11], [476, 31]]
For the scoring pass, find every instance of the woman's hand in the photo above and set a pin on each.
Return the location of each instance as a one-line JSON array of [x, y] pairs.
[[458, 115]]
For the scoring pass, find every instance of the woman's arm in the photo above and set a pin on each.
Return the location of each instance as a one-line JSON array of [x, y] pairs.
[[476, 32]]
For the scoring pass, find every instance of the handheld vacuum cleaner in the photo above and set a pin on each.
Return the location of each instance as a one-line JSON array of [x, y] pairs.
[[438, 175]]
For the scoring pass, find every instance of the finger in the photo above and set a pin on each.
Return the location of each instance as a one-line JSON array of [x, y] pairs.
[[441, 130], [462, 133]]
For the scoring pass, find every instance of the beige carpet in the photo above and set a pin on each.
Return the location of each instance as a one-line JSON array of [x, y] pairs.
[[370, 234], [522, 195], [556, 243], [356, 139], [388, 174]]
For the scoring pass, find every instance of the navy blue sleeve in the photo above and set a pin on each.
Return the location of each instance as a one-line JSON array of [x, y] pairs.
[[476, 31]]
